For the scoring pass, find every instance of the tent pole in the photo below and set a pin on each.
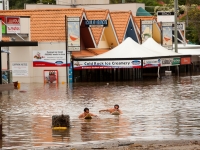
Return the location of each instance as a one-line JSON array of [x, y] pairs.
[[158, 72], [141, 69]]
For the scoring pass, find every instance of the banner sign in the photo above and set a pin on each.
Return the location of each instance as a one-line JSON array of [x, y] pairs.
[[13, 20], [49, 58], [151, 63], [20, 69], [167, 35], [147, 27], [10, 24], [13, 24], [91, 23], [180, 26], [13, 29], [165, 16], [73, 40], [170, 61], [185, 60], [107, 64]]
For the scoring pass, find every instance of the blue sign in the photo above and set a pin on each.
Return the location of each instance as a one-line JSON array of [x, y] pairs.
[[70, 74], [104, 23]]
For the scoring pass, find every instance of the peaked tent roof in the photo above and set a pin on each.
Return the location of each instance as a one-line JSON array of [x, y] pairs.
[[127, 49], [151, 44], [142, 12]]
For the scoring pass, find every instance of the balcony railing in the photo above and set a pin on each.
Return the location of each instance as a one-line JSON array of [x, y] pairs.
[[6, 76]]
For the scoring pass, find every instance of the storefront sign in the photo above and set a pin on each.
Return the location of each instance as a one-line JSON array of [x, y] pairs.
[[151, 63], [185, 60], [167, 35], [180, 26], [146, 28], [13, 29], [49, 58], [107, 64], [165, 16], [13, 24], [103, 23], [20, 69], [170, 61], [13, 20], [73, 40]]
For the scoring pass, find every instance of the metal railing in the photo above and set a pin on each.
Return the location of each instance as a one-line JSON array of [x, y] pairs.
[[6, 76]]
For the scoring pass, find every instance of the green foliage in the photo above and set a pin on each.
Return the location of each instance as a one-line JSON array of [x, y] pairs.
[[47, 1], [170, 7], [194, 24]]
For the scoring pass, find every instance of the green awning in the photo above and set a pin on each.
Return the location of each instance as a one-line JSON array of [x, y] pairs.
[[142, 12]]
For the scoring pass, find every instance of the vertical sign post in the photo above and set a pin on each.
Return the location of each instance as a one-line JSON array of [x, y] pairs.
[[73, 41], [167, 35], [146, 29], [175, 25]]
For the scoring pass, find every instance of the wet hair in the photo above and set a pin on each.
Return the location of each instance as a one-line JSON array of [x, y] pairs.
[[116, 105], [85, 109]]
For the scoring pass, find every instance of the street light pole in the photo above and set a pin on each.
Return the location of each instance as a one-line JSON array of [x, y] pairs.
[[175, 24]]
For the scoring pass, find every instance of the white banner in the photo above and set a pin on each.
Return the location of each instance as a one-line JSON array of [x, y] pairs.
[[13, 29], [165, 16], [151, 63], [107, 64], [49, 58], [20, 69], [73, 40]]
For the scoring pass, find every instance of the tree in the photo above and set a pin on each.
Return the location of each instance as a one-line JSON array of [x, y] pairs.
[[194, 24]]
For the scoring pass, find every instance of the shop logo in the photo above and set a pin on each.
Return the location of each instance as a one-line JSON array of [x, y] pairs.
[[58, 62], [135, 62]]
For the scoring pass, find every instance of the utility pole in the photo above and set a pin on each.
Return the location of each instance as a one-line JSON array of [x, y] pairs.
[[175, 24]]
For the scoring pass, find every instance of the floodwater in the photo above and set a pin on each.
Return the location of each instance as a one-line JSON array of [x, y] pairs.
[[152, 110]]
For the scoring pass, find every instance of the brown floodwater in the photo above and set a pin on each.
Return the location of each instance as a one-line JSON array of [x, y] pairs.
[[152, 110]]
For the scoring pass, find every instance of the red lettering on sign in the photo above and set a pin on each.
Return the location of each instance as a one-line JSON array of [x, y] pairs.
[[13, 28], [13, 20]]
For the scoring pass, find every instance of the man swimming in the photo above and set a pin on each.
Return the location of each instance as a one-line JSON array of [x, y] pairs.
[[111, 110], [85, 113]]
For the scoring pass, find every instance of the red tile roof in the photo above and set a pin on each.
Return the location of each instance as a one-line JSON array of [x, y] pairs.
[[120, 21], [96, 15], [46, 24]]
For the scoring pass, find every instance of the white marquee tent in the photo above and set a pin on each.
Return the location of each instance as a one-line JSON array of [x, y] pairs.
[[131, 49], [128, 49], [151, 44]]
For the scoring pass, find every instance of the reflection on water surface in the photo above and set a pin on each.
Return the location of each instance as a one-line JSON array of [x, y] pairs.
[[152, 110]]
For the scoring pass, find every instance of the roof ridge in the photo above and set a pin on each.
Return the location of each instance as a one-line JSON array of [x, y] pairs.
[[43, 9], [95, 10], [128, 11]]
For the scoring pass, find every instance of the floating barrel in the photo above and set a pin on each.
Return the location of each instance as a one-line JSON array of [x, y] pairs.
[[60, 121]]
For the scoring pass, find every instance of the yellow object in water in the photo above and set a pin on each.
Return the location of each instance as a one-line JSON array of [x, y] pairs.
[[59, 128], [18, 85]]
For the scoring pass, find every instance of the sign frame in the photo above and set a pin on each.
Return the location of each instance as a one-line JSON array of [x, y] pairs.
[[73, 34], [167, 38], [165, 16]]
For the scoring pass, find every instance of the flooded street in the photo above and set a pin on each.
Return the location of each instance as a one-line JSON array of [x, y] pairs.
[[152, 110]]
